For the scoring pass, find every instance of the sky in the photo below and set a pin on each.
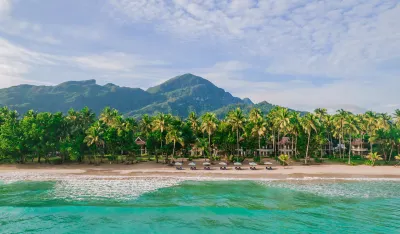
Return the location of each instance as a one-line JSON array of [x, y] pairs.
[[301, 54]]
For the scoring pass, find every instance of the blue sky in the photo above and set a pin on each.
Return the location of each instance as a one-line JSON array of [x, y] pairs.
[[301, 54]]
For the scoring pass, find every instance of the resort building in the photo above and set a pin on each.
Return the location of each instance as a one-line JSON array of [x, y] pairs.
[[328, 148], [358, 147], [142, 143], [267, 150], [285, 146], [196, 151]]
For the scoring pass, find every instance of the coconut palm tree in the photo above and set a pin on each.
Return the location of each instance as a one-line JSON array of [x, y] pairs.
[[209, 125], [174, 136], [109, 116], [193, 122], [259, 130], [371, 122], [282, 120], [373, 157], [309, 123], [160, 123], [94, 137], [339, 125], [146, 125], [255, 115], [350, 127], [397, 118], [236, 120]]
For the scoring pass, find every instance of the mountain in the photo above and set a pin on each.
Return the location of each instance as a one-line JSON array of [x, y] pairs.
[[179, 96]]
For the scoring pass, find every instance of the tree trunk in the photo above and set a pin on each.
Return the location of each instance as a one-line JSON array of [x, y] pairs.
[[308, 143], [273, 138], [278, 142], [237, 140], [209, 146], [295, 150], [173, 150], [350, 146], [370, 144]]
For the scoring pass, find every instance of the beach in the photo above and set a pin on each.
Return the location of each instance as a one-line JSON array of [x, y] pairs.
[[152, 169]]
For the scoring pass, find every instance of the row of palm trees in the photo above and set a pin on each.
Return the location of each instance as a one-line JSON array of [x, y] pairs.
[[310, 130], [78, 132]]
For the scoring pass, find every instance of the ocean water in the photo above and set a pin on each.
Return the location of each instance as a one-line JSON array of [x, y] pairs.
[[162, 205]]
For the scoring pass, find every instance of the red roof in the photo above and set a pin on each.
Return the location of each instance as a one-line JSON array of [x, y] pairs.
[[285, 140], [139, 141]]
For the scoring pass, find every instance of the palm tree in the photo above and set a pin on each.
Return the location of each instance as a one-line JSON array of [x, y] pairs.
[[193, 122], [236, 120], [295, 129], [109, 116], [339, 124], [94, 137], [285, 159], [160, 124], [309, 123], [259, 129], [146, 125], [351, 129], [397, 118], [371, 122], [255, 115], [282, 120], [174, 136], [373, 157], [209, 125]]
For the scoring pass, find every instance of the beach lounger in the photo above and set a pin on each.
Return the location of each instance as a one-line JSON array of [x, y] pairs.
[[238, 165], [222, 165], [268, 167], [207, 166], [253, 166], [178, 166], [192, 166]]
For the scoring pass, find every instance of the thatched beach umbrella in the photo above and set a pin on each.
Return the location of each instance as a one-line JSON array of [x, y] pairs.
[[192, 165], [178, 165], [253, 165]]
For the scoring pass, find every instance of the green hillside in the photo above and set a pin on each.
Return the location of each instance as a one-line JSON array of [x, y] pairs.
[[179, 96]]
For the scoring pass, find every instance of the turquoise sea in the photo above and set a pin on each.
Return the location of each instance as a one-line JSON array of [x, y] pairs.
[[166, 206]]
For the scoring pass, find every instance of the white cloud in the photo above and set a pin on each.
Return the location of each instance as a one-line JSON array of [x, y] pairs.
[[114, 61], [5, 8], [18, 63], [346, 42]]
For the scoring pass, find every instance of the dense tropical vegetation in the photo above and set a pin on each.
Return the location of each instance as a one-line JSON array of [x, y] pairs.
[[80, 136]]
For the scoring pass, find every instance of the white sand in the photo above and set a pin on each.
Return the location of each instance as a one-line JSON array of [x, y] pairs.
[[151, 169]]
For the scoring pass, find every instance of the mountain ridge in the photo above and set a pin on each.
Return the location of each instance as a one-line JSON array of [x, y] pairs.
[[178, 95]]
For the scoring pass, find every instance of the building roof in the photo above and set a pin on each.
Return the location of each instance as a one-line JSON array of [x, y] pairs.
[[284, 140], [357, 142], [140, 141]]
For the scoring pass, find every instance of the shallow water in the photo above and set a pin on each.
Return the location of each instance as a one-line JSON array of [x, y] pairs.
[[175, 206]]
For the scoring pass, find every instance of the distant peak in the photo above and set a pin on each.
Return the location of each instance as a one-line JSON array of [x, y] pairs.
[[81, 82], [179, 82], [111, 85], [248, 101]]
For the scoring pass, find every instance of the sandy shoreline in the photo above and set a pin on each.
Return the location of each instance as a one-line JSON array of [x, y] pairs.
[[152, 169]]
